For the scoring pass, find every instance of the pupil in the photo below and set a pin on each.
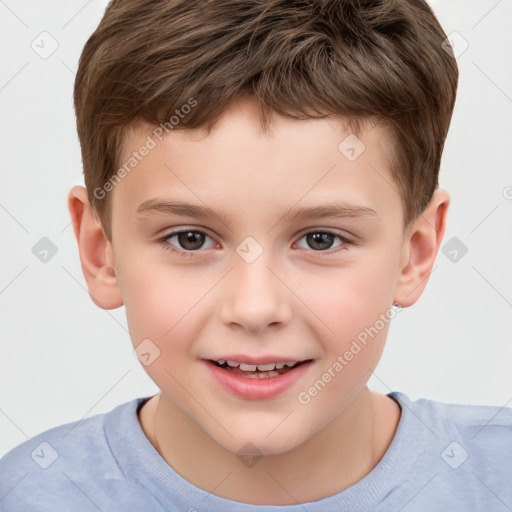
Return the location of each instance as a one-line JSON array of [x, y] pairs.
[[320, 241], [190, 237]]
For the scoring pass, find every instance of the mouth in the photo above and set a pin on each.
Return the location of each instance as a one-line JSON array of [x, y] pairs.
[[261, 378], [258, 371]]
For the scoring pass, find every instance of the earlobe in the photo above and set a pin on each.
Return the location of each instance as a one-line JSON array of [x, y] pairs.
[[420, 248], [96, 254]]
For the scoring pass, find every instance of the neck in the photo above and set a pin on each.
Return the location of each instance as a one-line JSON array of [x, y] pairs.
[[333, 459]]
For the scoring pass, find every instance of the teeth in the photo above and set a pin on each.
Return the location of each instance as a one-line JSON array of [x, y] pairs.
[[261, 367], [265, 375], [248, 367], [266, 367]]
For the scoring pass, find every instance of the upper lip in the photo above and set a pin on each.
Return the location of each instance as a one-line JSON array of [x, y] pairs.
[[256, 360]]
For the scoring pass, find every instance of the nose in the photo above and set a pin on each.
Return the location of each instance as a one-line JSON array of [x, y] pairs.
[[254, 298]]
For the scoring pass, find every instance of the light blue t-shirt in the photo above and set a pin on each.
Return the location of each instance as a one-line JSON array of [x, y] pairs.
[[443, 457]]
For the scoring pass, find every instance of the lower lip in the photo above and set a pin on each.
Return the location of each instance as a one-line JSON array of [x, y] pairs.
[[256, 389]]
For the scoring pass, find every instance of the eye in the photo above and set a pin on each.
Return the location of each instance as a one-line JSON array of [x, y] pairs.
[[321, 240], [187, 241]]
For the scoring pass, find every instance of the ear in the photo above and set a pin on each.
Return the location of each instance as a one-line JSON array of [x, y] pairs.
[[420, 247], [96, 253]]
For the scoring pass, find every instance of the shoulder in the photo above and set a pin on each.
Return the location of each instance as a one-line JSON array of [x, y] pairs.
[[469, 445], [60, 462], [475, 422]]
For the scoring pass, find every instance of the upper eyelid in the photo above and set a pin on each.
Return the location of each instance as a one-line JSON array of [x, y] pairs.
[[301, 234], [185, 230]]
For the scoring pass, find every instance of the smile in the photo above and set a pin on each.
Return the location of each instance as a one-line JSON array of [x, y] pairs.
[[260, 371], [252, 383]]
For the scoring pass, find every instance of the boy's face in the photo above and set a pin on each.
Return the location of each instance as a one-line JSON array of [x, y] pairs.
[[260, 283]]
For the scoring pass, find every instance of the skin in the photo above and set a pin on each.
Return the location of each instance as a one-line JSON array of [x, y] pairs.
[[293, 300]]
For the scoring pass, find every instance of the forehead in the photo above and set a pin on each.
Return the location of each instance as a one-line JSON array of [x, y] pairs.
[[238, 165]]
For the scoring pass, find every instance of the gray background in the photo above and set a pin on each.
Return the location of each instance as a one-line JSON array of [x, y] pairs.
[[63, 359]]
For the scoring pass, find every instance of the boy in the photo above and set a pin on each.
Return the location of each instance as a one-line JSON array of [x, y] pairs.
[[261, 193]]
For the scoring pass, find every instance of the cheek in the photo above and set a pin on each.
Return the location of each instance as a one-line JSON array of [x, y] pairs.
[[350, 299], [354, 306], [160, 300], [162, 306], [358, 312]]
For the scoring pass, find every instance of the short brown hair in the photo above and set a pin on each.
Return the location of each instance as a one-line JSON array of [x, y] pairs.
[[360, 59]]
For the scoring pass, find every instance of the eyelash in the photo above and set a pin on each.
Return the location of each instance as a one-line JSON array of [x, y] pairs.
[[187, 254]]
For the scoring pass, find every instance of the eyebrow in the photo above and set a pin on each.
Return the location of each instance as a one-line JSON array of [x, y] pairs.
[[328, 210]]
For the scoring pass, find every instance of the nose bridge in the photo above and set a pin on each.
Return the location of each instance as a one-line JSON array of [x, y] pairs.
[[254, 297]]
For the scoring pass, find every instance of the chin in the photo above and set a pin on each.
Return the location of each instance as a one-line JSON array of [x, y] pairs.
[[255, 445]]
